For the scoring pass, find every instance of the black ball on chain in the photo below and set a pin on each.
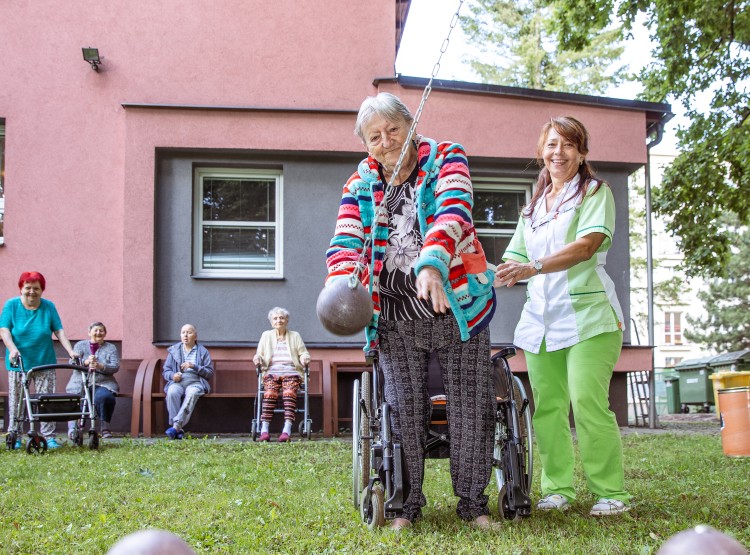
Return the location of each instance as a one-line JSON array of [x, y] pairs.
[[344, 308]]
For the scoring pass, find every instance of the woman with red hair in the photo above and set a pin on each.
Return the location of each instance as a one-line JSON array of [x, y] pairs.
[[26, 327]]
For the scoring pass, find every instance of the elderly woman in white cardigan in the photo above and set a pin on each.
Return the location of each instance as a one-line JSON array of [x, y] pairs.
[[282, 355]]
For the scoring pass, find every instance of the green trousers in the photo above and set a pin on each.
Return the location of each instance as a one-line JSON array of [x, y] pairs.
[[578, 376]]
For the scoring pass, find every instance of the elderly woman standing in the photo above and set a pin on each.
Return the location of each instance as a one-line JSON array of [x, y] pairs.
[[571, 325], [432, 293], [282, 354], [187, 370], [26, 327], [101, 357]]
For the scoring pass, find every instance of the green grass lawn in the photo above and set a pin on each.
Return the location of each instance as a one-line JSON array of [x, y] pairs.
[[244, 497]]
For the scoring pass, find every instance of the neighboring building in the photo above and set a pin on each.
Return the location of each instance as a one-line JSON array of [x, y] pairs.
[[196, 175], [670, 315]]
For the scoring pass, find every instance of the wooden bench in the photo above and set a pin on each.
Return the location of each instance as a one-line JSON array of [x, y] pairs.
[[232, 380], [129, 377]]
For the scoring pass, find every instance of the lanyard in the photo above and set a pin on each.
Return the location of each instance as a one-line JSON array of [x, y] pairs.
[[554, 211]]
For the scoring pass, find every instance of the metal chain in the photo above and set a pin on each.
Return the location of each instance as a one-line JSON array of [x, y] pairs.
[[361, 263]]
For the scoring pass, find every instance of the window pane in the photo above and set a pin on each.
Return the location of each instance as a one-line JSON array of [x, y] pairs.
[[239, 248], [494, 246], [238, 200], [497, 209]]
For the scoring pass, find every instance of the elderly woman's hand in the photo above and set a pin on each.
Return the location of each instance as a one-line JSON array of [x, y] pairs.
[[430, 286], [177, 378], [304, 360], [256, 360]]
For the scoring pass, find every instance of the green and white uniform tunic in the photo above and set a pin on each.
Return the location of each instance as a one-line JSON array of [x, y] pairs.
[[565, 308]]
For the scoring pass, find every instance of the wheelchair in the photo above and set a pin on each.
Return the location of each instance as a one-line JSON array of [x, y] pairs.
[[378, 487], [305, 425]]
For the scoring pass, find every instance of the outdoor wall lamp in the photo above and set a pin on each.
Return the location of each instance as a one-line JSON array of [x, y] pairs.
[[91, 55]]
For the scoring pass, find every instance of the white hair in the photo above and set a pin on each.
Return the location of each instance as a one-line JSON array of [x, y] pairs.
[[277, 310], [384, 104]]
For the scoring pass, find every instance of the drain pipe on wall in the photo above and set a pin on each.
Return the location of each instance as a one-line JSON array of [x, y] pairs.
[[652, 419]]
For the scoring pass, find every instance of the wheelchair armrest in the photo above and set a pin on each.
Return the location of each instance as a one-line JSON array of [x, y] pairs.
[[505, 352]]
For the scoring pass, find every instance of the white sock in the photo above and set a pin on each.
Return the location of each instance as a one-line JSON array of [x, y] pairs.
[[264, 427], [287, 427]]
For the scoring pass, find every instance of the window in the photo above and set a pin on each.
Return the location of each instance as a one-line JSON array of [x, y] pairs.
[[237, 223], [497, 206], [2, 179], [671, 362], [672, 328]]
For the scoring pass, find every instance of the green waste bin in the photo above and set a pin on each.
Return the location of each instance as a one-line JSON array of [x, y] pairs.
[[672, 385], [695, 386]]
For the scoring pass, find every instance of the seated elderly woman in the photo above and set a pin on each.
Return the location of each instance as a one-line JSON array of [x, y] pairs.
[[101, 357], [282, 355], [187, 370]]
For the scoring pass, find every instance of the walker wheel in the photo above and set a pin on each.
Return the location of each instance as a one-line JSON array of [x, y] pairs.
[[94, 440], [305, 428], [36, 445], [77, 437], [10, 440]]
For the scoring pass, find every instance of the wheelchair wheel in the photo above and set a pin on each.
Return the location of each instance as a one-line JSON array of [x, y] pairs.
[[36, 445], [372, 507], [527, 432], [523, 463], [360, 437]]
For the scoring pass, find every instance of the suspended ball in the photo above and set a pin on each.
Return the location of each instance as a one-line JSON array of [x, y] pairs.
[[701, 540], [344, 310]]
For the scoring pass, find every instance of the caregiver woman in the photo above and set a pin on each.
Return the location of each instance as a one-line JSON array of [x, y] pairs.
[[571, 325]]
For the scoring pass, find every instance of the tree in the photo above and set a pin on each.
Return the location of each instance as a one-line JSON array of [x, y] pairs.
[[521, 50], [702, 48], [727, 301]]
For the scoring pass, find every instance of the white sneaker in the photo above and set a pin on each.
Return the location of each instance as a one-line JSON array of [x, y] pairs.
[[553, 502], [605, 507]]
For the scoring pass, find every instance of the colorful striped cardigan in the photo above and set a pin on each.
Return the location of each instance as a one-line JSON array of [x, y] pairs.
[[444, 201]]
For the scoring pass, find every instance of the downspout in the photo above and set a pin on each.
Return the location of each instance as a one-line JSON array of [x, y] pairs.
[[652, 419]]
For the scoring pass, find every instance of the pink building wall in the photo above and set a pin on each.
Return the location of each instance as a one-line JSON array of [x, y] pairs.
[[80, 168], [80, 165]]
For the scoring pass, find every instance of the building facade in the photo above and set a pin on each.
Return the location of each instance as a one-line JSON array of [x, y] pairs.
[[194, 175]]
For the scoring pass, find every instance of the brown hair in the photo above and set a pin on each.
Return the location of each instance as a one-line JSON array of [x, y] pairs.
[[574, 131]]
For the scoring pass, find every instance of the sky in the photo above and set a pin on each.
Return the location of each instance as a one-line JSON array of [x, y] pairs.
[[428, 25]]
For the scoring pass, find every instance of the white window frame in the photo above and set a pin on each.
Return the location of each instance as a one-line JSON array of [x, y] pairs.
[[673, 337], [234, 173], [500, 184]]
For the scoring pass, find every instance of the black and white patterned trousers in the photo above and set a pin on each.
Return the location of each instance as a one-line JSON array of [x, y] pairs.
[[405, 348]]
